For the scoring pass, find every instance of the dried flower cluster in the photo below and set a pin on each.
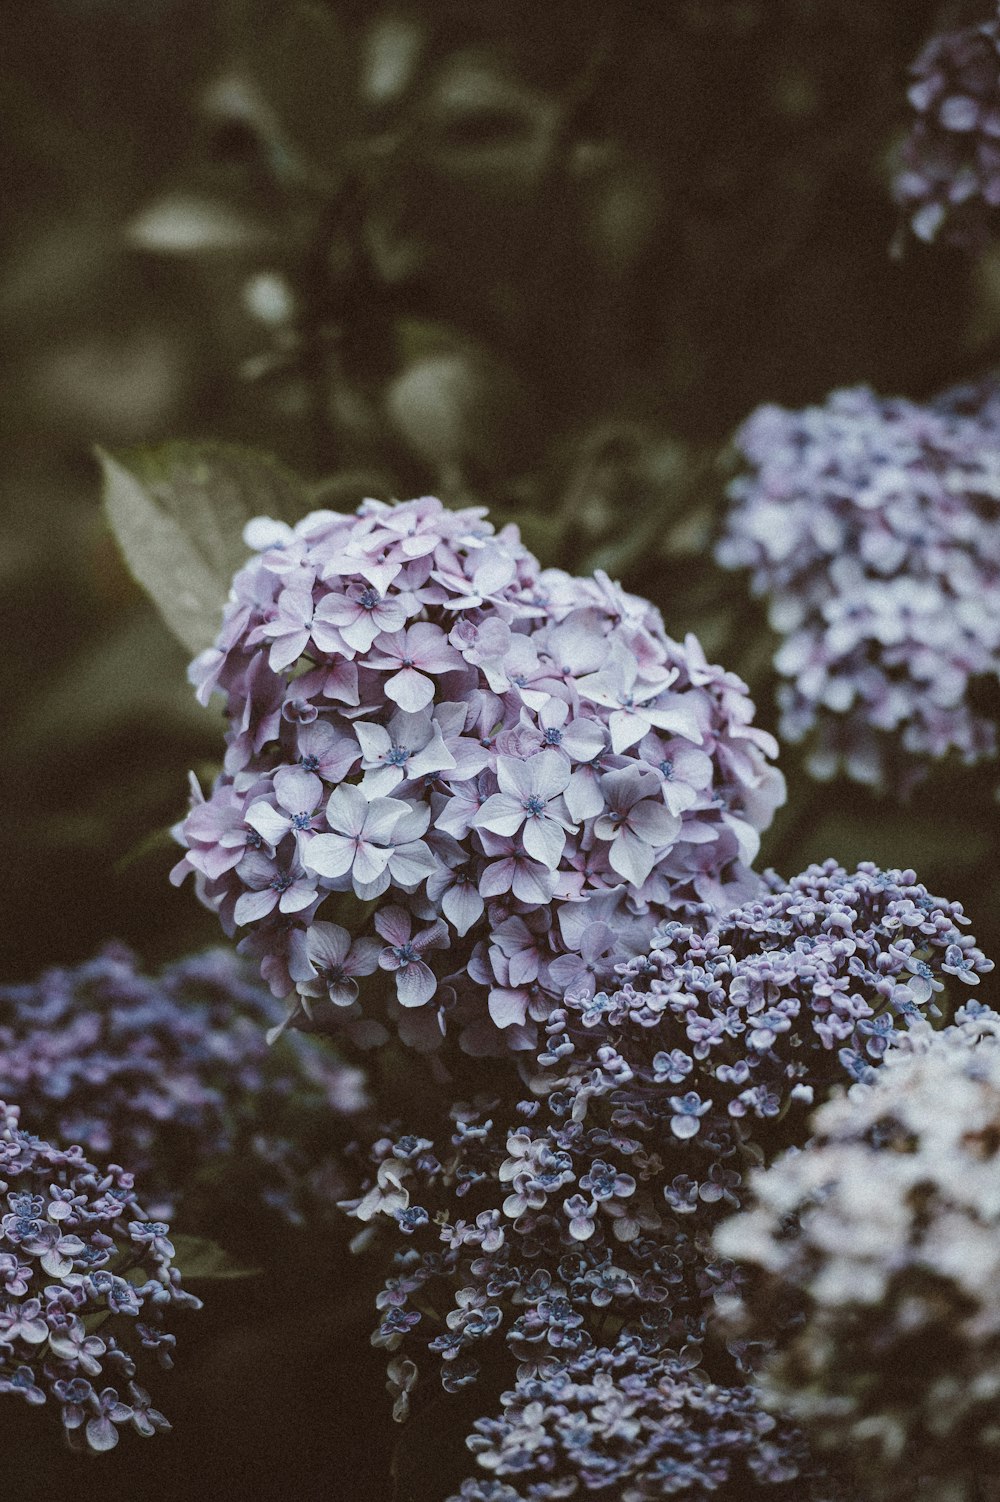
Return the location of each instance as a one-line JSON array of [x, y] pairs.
[[874, 1264], [872, 526], [85, 1281], [173, 1070], [948, 184], [510, 763]]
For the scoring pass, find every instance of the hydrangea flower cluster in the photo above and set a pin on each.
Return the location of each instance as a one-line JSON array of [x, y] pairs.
[[511, 764], [949, 177], [872, 526], [175, 1070], [618, 1423], [85, 1280], [656, 1097], [875, 1252]]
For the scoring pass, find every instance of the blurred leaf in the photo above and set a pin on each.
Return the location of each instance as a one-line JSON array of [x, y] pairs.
[[302, 62], [178, 513], [200, 1260], [183, 224]]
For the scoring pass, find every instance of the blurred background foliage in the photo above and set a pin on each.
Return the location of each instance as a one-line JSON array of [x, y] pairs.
[[542, 258]]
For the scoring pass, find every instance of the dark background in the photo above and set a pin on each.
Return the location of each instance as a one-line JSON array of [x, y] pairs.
[[540, 257]]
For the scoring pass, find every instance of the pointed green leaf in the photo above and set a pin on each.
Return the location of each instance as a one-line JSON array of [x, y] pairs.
[[178, 513], [200, 1260]]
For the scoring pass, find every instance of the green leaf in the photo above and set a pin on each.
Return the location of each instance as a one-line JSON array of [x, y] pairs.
[[178, 513], [200, 1260]]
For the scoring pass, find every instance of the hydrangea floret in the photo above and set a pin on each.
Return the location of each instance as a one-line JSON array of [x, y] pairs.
[[650, 1103], [437, 744], [86, 1279], [872, 527], [616, 1422], [873, 1264], [948, 183], [169, 1069]]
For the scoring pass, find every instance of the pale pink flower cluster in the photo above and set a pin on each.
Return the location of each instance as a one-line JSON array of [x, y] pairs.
[[476, 774]]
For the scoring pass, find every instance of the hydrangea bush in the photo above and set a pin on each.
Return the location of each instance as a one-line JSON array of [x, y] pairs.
[[473, 773], [872, 1257], [170, 1070], [872, 527], [651, 1101], [86, 1280], [948, 183]]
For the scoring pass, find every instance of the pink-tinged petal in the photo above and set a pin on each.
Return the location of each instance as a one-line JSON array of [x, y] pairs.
[[381, 819], [523, 967], [360, 633], [374, 740], [286, 650], [268, 822], [501, 813], [411, 864], [508, 1008], [329, 855], [346, 809], [532, 883], [252, 906], [328, 945], [298, 896], [379, 782], [631, 857], [434, 757], [368, 891], [566, 971], [496, 880], [583, 739], [626, 728], [410, 690], [469, 757], [341, 683], [394, 924], [369, 863], [298, 791], [654, 823], [462, 906], [327, 638], [544, 841], [343, 993], [415, 984], [434, 937], [363, 957], [412, 825], [583, 797], [674, 713]]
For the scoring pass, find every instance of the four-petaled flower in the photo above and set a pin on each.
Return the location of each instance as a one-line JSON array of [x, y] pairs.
[[529, 796], [358, 844], [416, 982], [324, 961]]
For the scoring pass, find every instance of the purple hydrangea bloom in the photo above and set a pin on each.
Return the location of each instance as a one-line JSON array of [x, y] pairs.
[[420, 717], [872, 526], [69, 1320], [652, 1100], [174, 1068], [618, 1422], [948, 183]]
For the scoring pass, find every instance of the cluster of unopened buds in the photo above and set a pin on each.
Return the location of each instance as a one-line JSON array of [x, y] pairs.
[[453, 765]]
